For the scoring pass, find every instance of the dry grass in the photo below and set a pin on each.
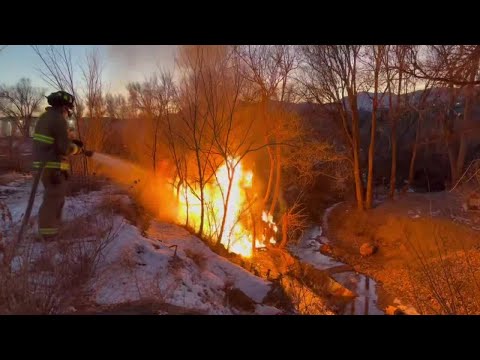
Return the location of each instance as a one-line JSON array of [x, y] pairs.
[[447, 282], [48, 278], [426, 258], [304, 300]]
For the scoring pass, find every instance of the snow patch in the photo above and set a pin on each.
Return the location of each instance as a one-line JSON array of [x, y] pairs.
[[135, 267]]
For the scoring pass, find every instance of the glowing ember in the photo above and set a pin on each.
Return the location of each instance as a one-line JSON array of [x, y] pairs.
[[235, 237]]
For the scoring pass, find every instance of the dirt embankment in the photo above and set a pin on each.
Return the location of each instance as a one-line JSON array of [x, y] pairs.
[[426, 250]]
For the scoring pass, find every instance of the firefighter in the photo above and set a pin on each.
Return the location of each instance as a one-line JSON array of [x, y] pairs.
[[52, 144]]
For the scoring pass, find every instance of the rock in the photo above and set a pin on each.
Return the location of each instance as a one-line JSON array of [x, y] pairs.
[[326, 249], [368, 249]]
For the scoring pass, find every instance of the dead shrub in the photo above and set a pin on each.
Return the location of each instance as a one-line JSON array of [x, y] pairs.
[[47, 278], [303, 299], [445, 282]]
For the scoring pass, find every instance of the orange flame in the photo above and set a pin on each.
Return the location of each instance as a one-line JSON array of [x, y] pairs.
[[235, 237]]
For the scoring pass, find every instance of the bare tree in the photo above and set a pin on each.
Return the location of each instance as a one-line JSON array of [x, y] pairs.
[[398, 85], [447, 64], [332, 76], [268, 70], [457, 67], [420, 109], [116, 106], [152, 100], [376, 55], [95, 127], [20, 102], [194, 116]]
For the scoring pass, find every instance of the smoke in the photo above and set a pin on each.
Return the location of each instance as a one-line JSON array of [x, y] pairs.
[[153, 192], [135, 62], [139, 55]]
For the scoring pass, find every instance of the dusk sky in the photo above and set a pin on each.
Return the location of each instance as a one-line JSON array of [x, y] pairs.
[[122, 63]]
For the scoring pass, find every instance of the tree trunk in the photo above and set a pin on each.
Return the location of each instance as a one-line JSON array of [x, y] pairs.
[[356, 153], [284, 231], [278, 177], [453, 165], [371, 155], [462, 153], [187, 206], [447, 135], [395, 113], [254, 223], [270, 176], [393, 170], [371, 150], [154, 150], [225, 207], [202, 198], [26, 129], [411, 170]]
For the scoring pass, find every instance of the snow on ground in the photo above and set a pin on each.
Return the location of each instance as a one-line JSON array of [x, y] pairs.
[[136, 267], [215, 266], [141, 267], [307, 250]]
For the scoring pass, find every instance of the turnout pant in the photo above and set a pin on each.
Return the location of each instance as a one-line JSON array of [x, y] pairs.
[[50, 213]]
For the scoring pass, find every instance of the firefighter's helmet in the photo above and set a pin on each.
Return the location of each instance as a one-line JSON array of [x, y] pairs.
[[61, 98]]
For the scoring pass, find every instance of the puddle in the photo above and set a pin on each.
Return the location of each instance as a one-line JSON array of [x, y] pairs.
[[307, 250], [365, 303]]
